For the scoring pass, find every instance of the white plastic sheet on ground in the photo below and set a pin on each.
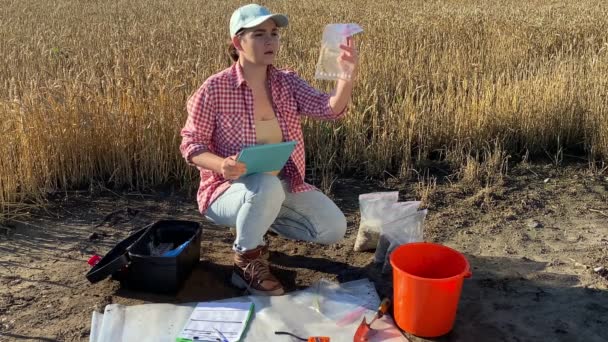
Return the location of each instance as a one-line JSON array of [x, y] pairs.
[[163, 322]]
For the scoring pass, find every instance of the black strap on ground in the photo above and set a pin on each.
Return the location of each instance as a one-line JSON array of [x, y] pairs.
[[290, 334]]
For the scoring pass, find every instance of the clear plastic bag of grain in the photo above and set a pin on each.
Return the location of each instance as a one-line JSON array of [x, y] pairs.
[[329, 66], [371, 208]]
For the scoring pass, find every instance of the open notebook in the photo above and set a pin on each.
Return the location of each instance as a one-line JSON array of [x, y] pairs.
[[213, 321]]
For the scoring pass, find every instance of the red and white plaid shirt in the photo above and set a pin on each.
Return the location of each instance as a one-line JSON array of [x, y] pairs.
[[220, 120]]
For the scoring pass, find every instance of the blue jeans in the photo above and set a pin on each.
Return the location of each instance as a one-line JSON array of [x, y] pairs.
[[255, 203]]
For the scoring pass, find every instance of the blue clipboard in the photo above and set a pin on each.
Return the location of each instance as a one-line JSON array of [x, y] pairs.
[[266, 158]]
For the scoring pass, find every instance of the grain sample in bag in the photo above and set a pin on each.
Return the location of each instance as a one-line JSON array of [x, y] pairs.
[[371, 207], [329, 66]]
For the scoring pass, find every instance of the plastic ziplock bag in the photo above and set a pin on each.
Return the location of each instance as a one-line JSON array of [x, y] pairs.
[[333, 302], [371, 207], [329, 66], [375, 216], [400, 232]]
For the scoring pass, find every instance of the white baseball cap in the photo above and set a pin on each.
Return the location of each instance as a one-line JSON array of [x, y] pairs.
[[253, 15]]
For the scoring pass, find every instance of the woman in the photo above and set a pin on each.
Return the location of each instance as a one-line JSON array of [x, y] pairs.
[[251, 103]]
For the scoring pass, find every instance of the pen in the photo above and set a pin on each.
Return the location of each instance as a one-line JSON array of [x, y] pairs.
[[222, 337]]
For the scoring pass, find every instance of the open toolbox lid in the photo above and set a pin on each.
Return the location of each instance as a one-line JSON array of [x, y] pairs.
[[115, 259]]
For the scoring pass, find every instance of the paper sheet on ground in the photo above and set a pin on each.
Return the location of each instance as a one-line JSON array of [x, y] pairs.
[[229, 318]]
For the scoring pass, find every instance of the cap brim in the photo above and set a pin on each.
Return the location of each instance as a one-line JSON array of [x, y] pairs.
[[279, 19]]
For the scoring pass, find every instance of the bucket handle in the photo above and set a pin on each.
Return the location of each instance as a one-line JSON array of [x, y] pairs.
[[467, 273]]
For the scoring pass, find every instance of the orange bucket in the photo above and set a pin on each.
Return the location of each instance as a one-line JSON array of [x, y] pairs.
[[427, 280]]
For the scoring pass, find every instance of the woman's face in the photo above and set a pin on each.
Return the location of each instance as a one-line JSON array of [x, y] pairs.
[[260, 44]]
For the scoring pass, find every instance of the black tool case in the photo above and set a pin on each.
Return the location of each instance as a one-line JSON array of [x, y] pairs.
[[133, 261]]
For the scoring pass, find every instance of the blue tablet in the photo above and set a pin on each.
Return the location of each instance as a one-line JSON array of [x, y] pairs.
[[266, 158]]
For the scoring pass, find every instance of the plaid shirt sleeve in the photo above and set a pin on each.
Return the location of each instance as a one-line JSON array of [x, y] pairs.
[[198, 130], [311, 102]]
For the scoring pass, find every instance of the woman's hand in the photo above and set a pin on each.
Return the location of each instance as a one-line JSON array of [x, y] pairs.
[[348, 61], [349, 58], [232, 169]]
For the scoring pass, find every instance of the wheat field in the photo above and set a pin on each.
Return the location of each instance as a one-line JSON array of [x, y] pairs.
[[94, 91]]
